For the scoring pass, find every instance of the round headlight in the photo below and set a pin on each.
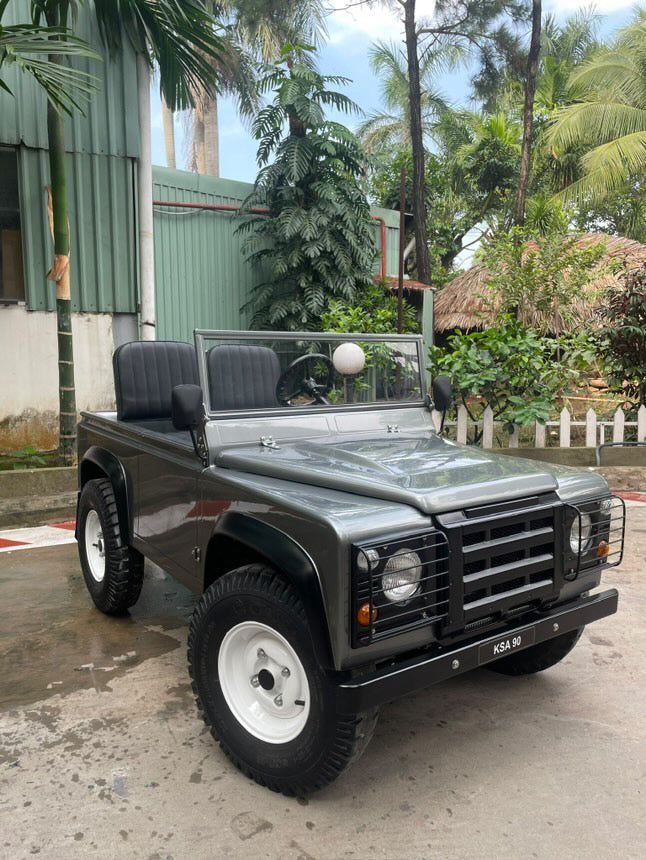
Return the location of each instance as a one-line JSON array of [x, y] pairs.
[[580, 532], [606, 506], [367, 559], [401, 577]]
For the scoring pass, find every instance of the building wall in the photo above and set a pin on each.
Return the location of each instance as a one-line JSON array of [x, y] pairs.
[[109, 123], [102, 146], [29, 390], [202, 279]]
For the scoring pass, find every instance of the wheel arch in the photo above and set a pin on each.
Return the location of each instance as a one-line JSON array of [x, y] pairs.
[[99, 463], [239, 539]]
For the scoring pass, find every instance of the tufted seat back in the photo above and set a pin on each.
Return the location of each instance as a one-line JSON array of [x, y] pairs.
[[145, 373], [242, 376]]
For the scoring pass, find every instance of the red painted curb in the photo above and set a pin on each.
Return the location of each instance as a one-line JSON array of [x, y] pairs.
[[5, 542], [633, 497]]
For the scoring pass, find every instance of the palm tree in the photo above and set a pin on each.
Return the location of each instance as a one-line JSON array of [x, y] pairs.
[[382, 129], [609, 118], [178, 36], [563, 47], [255, 33], [27, 46]]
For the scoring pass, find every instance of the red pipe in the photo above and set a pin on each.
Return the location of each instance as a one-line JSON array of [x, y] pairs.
[[220, 207], [227, 207]]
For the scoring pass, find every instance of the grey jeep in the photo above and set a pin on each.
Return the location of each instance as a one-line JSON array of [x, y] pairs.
[[345, 551]]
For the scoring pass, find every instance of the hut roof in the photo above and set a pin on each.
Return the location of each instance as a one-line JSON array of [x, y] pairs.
[[459, 303]]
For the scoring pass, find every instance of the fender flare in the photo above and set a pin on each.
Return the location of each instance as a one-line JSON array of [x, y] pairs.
[[288, 557], [112, 468]]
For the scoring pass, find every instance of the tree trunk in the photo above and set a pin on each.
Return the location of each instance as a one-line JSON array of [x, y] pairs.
[[417, 141], [528, 115], [60, 274], [198, 160], [169, 134], [211, 132], [145, 206]]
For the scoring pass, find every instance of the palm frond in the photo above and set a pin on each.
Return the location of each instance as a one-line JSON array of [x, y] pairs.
[[588, 122], [28, 47]]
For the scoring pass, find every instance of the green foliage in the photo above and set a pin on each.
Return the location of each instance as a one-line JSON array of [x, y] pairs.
[[516, 371], [391, 128], [449, 215], [22, 458], [538, 278], [177, 36], [623, 338], [373, 311], [28, 46], [317, 241], [608, 116]]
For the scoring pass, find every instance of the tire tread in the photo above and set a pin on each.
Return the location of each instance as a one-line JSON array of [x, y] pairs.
[[352, 732]]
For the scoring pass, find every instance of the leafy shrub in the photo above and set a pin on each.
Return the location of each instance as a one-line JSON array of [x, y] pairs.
[[374, 310], [512, 369], [317, 243], [623, 339]]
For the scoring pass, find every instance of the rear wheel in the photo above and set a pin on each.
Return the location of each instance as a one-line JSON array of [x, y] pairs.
[[538, 657], [113, 572], [261, 689]]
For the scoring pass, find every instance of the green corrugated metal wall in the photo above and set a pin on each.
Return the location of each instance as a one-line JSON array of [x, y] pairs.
[[201, 277], [102, 147], [101, 199], [109, 126]]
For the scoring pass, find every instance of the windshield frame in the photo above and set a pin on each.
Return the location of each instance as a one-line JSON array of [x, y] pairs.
[[202, 335]]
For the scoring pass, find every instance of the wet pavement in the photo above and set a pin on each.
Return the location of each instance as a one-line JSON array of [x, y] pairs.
[[103, 755]]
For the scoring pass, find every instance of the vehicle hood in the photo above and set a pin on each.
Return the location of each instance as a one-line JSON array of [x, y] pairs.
[[428, 472]]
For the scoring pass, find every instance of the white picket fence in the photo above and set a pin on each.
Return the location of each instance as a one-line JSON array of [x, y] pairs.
[[595, 428]]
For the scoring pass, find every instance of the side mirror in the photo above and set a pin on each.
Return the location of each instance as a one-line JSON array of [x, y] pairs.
[[442, 393], [186, 407]]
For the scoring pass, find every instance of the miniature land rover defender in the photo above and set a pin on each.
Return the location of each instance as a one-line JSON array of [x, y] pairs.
[[345, 551]]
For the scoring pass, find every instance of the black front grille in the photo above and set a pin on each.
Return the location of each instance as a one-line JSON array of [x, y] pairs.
[[503, 556], [428, 605]]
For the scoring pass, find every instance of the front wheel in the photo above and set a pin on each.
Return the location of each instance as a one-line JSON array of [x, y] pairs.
[[261, 689], [536, 658]]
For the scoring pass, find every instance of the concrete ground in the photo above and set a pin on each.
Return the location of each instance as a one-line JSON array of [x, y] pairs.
[[103, 755]]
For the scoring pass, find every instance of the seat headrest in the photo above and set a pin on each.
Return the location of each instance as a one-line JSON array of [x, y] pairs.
[[145, 373], [242, 376]]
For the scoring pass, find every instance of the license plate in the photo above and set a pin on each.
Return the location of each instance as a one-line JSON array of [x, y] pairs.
[[505, 645]]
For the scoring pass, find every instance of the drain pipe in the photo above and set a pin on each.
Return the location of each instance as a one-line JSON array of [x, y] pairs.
[[145, 206]]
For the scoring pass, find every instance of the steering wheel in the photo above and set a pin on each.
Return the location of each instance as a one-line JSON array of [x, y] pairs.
[[309, 387]]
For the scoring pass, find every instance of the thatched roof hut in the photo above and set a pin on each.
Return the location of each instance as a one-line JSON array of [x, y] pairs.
[[459, 303]]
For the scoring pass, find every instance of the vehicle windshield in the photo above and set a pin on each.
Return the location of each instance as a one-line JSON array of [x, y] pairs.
[[243, 371]]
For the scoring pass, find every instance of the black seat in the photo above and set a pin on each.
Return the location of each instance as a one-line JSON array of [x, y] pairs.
[[242, 376], [145, 373]]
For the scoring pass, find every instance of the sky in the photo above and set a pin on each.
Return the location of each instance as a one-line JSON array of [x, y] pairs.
[[345, 53]]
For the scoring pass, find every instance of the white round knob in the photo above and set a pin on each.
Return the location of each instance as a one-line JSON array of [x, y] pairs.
[[349, 358]]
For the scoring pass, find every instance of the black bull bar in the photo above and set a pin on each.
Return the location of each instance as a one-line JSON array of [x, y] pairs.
[[399, 679]]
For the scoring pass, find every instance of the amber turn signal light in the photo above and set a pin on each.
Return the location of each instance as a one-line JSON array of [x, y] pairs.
[[366, 614], [603, 549]]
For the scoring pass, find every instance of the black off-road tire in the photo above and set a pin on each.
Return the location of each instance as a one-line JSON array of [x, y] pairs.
[[538, 657], [123, 575], [328, 742]]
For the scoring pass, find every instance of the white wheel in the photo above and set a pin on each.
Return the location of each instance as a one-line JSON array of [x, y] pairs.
[[263, 682], [94, 546], [261, 688]]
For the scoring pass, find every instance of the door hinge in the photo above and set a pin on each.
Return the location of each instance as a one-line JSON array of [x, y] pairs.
[[196, 553]]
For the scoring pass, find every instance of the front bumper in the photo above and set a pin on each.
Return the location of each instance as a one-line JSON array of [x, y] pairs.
[[399, 679]]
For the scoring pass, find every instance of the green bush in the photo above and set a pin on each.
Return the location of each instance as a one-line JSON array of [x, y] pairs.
[[519, 373], [623, 339]]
